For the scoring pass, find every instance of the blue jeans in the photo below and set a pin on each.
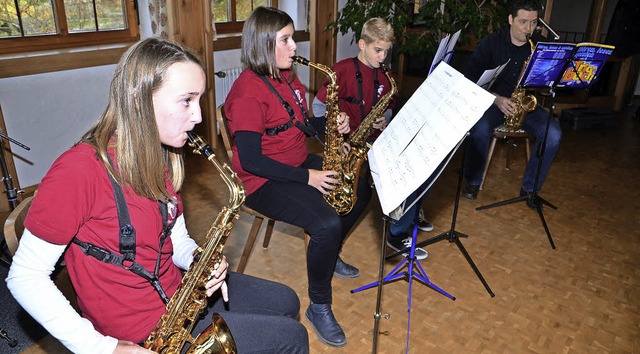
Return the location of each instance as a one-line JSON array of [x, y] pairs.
[[535, 124], [402, 227]]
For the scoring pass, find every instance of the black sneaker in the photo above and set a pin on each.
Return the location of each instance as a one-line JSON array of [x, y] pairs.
[[399, 243], [470, 191], [424, 224]]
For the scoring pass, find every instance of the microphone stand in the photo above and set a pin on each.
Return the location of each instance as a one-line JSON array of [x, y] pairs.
[[10, 191], [556, 36]]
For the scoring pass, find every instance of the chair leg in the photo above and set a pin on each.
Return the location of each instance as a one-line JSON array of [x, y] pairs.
[[492, 146], [251, 239], [510, 145], [528, 148], [268, 232]]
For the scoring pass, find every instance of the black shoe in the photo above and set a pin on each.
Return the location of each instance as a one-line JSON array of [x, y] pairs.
[[424, 224], [470, 191], [399, 243], [344, 270], [531, 202], [325, 325]]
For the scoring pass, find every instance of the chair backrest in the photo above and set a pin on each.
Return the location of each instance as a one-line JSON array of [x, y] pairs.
[[227, 139], [14, 225]]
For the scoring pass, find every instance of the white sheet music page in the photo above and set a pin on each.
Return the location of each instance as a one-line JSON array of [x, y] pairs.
[[425, 130], [445, 50], [489, 76]]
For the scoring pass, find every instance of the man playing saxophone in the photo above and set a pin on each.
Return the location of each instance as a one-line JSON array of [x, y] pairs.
[[509, 44], [365, 83], [111, 205]]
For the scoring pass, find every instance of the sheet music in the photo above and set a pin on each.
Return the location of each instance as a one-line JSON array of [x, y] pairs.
[[450, 45], [445, 50], [425, 130], [489, 76]]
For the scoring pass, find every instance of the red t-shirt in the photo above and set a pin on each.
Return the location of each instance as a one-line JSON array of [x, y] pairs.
[[76, 198], [252, 106], [348, 87]]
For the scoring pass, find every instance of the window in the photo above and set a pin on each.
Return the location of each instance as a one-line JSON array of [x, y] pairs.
[[30, 25], [229, 15]]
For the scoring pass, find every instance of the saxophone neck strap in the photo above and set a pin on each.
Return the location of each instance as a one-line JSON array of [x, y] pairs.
[[376, 86], [304, 126], [127, 241]]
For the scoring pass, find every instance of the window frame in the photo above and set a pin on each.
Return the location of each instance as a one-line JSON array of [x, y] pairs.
[[234, 26], [63, 39]]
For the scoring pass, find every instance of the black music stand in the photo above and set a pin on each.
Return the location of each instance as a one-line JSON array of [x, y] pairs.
[[454, 236], [553, 65]]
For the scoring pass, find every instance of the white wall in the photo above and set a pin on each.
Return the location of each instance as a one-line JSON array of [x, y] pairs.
[[49, 112], [344, 47]]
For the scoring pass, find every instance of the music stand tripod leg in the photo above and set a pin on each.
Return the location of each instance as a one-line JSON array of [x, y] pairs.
[[533, 199], [410, 262], [453, 236]]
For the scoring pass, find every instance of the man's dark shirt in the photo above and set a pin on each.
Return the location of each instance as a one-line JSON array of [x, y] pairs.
[[495, 50]]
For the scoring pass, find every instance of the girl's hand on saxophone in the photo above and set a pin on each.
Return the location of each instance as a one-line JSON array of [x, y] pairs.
[[217, 280], [324, 181], [343, 123]]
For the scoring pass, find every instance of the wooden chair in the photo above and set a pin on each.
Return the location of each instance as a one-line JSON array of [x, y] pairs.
[[501, 132], [13, 229], [258, 218], [14, 225]]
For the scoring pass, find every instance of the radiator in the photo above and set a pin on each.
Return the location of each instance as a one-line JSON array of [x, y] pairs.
[[223, 80]]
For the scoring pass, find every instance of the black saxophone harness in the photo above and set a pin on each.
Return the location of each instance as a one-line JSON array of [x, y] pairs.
[[127, 242], [304, 126], [376, 85]]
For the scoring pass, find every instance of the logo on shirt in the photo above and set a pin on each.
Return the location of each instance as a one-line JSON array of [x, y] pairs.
[[380, 89], [299, 96], [172, 211]]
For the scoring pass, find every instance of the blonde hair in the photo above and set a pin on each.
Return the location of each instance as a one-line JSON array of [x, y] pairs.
[[128, 123], [377, 29]]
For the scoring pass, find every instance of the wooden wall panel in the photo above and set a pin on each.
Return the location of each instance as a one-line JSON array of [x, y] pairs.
[[191, 22]]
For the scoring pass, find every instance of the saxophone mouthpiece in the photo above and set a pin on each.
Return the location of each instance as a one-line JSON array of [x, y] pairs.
[[300, 60]]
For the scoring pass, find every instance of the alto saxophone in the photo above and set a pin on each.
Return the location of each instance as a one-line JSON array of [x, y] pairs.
[[183, 310], [341, 196], [358, 139], [524, 102]]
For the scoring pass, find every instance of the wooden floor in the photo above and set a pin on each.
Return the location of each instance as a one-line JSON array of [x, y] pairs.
[[582, 297]]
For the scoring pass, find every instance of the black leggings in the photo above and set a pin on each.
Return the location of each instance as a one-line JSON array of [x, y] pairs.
[[304, 206], [262, 316]]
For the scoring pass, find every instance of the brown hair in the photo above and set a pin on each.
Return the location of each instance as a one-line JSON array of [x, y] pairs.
[[258, 48], [128, 124]]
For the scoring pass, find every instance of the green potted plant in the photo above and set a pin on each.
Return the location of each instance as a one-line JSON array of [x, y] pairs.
[[420, 25]]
